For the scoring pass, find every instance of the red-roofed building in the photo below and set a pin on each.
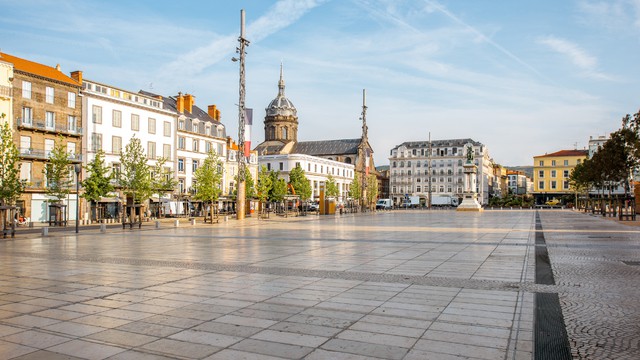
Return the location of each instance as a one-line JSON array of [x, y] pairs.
[[46, 107], [551, 174]]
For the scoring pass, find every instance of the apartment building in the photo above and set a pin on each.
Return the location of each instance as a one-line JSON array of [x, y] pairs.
[[415, 165], [113, 116], [6, 92], [517, 182], [551, 173], [46, 109]]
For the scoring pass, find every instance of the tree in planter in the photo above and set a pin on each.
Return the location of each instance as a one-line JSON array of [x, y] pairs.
[[300, 183], [135, 174], [372, 190], [263, 187], [58, 172], [355, 188], [331, 188], [208, 179], [98, 182], [11, 186]]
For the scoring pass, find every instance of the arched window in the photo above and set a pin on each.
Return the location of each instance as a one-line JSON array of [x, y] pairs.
[[409, 163], [347, 160], [401, 163], [284, 133], [272, 132]]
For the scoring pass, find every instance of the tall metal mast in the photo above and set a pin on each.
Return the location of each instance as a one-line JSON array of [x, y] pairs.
[[240, 200], [365, 129]]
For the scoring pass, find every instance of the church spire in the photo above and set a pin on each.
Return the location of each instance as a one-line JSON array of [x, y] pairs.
[[281, 82]]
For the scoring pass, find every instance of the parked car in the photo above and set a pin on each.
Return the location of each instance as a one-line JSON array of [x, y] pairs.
[[553, 202]]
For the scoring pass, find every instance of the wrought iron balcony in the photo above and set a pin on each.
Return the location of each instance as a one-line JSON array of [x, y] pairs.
[[35, 124], [31, 153]]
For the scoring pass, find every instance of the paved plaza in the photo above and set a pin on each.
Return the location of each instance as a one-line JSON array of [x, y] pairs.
[[528, 284]]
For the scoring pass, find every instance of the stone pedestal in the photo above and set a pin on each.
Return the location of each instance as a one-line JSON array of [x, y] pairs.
[[470, 203]]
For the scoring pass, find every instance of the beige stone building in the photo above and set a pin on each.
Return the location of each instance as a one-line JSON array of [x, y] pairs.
[[46, 108], [6, 92]]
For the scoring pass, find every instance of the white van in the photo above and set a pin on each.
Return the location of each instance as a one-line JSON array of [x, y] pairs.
[[384, 204]]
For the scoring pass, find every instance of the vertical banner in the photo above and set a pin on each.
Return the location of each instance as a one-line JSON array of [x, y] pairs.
[[366, 161], [248, 116]]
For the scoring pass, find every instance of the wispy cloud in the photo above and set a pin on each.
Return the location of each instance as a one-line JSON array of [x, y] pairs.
[[587, 63], [279, 16], [611, 14]]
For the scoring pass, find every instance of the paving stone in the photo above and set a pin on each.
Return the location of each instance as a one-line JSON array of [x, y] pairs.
[[86, 349], [365, 349], [272, 348], [181, 348]]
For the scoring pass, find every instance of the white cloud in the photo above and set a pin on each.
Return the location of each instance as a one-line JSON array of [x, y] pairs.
[[612, 14], [587, 63]]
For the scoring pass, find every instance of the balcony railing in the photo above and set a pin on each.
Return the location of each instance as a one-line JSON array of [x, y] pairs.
[[6, 91], [41, 125], [32, 153]]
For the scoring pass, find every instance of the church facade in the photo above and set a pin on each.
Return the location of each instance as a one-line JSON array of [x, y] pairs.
[[281, 150]]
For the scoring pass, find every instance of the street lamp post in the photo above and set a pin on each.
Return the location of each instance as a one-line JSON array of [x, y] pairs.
[[77, 168]]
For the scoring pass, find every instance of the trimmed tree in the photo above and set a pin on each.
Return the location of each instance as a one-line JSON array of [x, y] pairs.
[[11, 186], [208, 179], [163, 181], [372, 190], [331, 188], [58, 172], [135, 176], [279, 190], [355, 188], [300, 183], [98, 182], [264, 184]]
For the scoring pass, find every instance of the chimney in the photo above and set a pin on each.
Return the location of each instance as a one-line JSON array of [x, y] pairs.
[[211, 111], [189, 101], [217, 115], [77, 76], [58, 67], [180, 103]]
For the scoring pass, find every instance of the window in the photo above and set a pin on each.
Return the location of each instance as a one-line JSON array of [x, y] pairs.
[[25, 171], [26, 90], [50, 118], [196, 145], [565, 173], [48, 95], [195, 165], [565, 185], [135, 122], [181, 125], [151, 150], [417, 188], [541, 185], [181, 141], [269, 166], [27, 116], [166, 151], [115, 170], [181, 185], [48, 146], [96, 142], [540, 173], [167, 128], [96, 114], [181, 165], [553, 173], [116, 118], [25, 145], [152, 126], [207, 146], [553, 185], [116, 144], [71, 100], [566, 163], [281, 166], [72, 123], [541, 163]]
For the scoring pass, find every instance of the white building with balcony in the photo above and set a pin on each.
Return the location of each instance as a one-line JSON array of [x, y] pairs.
[[416, 165]]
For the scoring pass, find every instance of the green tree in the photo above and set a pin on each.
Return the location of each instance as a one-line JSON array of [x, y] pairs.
[[208, 178], [11, 186], [279, 190], [263, 187], [98, 182], [135, 176], [249, 185], [275, 176], [355, 189], [58, 171], [300, 183], [162, 180], [331, 188], [372, 189]]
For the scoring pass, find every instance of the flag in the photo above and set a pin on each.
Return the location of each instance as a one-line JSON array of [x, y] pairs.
[[366, 161], [248, 121]]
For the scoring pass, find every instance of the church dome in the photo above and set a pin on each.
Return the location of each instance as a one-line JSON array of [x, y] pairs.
[[281, 106]]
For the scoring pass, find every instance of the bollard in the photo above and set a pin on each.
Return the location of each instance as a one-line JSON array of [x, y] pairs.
[[45, 231], [30, 225], [193, 221], [226, 218], [176, 223], [103, 228], [157, 224]]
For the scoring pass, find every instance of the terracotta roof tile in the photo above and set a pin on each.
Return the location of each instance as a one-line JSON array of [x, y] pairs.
[[566, 153], [37, 69]]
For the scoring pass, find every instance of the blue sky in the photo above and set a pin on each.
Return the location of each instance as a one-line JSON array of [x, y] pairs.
[[522, 77]]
